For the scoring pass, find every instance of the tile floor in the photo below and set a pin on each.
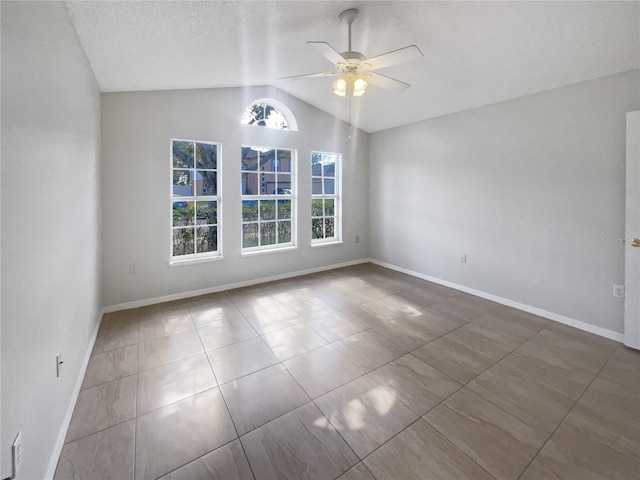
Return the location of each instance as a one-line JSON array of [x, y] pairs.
[[356, 373]]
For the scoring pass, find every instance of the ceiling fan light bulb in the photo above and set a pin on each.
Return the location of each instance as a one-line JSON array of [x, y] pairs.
[[359, 87], [340, 87]]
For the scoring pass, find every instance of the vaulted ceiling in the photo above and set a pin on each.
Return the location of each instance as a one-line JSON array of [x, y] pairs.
[[475, 53]]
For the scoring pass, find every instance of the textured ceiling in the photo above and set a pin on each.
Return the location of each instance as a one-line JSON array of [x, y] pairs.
[[475, 53]]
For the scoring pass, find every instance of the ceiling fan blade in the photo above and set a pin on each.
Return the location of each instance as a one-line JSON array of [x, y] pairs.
[[394, 57], [387, 82], [328, 52], [310, 75]]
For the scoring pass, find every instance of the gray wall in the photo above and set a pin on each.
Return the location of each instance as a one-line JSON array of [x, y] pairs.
[[50, 226], [528, 189], [136, 133]]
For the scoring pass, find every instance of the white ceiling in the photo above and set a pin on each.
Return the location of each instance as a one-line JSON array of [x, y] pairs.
[[475, 53]]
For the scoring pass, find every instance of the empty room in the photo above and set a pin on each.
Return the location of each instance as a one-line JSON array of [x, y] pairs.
[[320, 240]]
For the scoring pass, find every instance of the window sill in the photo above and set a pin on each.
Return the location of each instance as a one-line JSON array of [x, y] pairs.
[[193, 261], [268, 251], [326, 244]]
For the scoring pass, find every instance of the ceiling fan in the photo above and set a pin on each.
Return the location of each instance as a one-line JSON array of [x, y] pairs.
[[355, 71]]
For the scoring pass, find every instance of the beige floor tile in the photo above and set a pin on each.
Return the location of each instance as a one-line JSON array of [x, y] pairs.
[[205, 315], [435, 288], [416, 384], [626, 358], [322, 370], [166, 384], [368, 350], [494, 439], [612, 392], [424, 295], [252, 292], [239, 359], [114, 338], [549, 371], [292, 341], [519, 316], [177, 434], [596, 418], [292, 294], [203, 302], [370, 317], [301, 445], [488, 343], [586, 460], [407, 332], [459, 308], [253, 303], [420, 453], [401, 305], [579, 348], [163, 350], [310, 308], [102, 407], [277, 391], [337, 326], [225, 332], [107, 455], [342, 298], [537, 405], [365, 413], [225, 463], [169, 311], [508, 326], [383, 313], [120, 320], [624, 367], [164, 326], [359, 472], [437, 322], [111, 365], [273, 318], [394, 282], [453, 358], [623, 376], [483, 303]]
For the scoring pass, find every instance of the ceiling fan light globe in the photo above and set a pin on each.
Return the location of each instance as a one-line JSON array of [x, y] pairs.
[[340, 87], [359, 87]]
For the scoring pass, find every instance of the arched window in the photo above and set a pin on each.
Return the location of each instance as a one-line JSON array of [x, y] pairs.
[[266, 112]]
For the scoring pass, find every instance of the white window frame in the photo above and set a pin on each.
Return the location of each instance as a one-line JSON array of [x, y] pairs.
[[277, 247], [197, 256], [336, 197]]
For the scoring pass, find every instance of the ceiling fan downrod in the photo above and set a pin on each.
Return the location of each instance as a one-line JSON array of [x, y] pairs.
[[348, 17]]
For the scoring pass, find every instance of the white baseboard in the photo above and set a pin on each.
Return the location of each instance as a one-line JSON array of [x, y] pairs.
[[229, 286], [57, 449], [587, 327]]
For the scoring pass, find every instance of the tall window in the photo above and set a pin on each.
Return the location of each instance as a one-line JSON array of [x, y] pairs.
[[195, 202], [325, 198], [268, 189]]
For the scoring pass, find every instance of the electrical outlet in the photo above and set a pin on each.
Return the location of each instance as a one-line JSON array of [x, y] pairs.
[[618, 291], [463, 258], [357, 238], [59, 363], [16, 455]]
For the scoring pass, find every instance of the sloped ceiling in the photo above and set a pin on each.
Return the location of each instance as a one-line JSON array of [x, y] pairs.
[[475, 53]]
